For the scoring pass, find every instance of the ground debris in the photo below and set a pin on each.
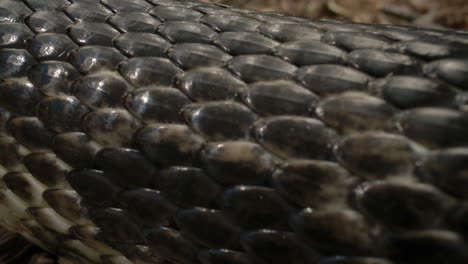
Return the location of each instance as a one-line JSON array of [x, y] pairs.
[[422, 13]]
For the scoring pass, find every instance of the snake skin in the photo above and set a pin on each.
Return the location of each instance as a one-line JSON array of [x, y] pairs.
[[181, 132]]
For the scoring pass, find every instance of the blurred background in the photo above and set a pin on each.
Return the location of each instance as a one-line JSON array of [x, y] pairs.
[[424, 13]]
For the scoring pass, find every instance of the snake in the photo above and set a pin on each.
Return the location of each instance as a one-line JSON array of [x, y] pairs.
[[183, 132]]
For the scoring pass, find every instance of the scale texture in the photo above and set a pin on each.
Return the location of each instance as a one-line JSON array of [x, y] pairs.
[[181, 132]]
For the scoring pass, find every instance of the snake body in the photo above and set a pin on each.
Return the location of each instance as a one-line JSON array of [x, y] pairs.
[[166, 131]]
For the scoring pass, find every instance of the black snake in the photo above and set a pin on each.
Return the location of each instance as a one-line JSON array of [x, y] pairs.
[[166, 131]]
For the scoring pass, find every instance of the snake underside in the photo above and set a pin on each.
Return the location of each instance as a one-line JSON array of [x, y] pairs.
[[181, 132]]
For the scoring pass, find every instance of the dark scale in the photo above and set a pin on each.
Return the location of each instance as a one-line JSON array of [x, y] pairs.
[[302, 53], [237, 162], [14, 35], [25, 187], [192, 55], [53, 77], [354, 260], [272, 18], [211, 9], [92, 33], [4, 117], [316, 184], [265, 97], [266, 208], [351, 112], [11, 154], [295, 137], [110, 126], [67, 204], [177, 3], [30, 132], [276, 247], [328, 25], [171, 245], [46, 168], [155, 209], [458, 219], [432, 48], [142, 71], [101, 90], [181, 132], [459, 36], [397, 33], [376, 155], [291, 32], [125, 167], [231, 22], [356, 40], [13, 11], [442, 127], [138, 253], [47, 5], [89, 12], [462, 101], [117, 225], [19, 97], [340, 232], [172, 13], [186, 3], [223, 256], [96, 58], [152, 210], [186, 186], [61, 113], [450, 70], [411, 92], [382, 63], [209, 120], [210, 84], [15, 63], [84, 1], [93, 186], [447, 170], [244, 43], [134, 22], [127, 5], [169, 144], [136, 44], [412, 206], [76, 149], [186, 32], [431, 247], [51, 46], [157, 104], [328, 78], [222, 233], [254, 68]]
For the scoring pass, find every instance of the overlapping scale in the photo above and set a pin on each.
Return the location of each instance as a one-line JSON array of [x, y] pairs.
[[136, 44], [49, 22], [96, 58], [134, 22], [53, 77], [180, 132], [192, 55], [14, 35]]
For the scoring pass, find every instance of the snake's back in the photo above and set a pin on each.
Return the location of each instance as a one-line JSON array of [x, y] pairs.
[[165, 131]]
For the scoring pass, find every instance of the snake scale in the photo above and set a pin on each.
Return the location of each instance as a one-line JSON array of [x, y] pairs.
[[181, 132]]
